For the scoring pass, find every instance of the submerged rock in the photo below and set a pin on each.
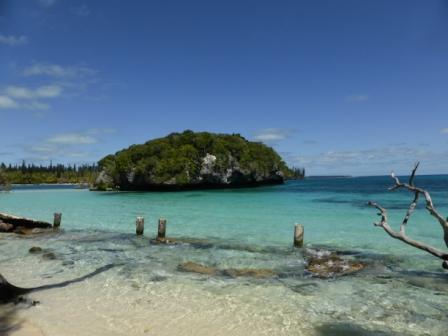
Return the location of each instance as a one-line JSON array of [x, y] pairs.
[[35, 249], [193, 267], [258, 273], [49, 256], [326, 264], [46, 253], [305, 289], [164, 241]]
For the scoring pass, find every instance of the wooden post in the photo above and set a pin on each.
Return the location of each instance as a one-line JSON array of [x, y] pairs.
[[139, 226], [298, 235], [57, 219], [161, 232]]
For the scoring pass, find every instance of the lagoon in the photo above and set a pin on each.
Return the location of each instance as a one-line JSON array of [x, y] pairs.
[[402, 291]]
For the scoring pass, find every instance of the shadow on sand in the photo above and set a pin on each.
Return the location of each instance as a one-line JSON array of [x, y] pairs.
[[350, 329], [11, 300], [8, 321], [10, 293]]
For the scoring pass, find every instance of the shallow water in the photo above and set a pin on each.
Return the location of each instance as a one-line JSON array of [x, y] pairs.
[[401, 292]]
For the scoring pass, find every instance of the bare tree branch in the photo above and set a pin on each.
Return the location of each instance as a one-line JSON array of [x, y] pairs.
[[429, 204], [401, 235], [409, 212], [411, 178]]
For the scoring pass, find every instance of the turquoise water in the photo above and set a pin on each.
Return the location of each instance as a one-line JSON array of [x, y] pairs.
[[403, 291], [333, 211]]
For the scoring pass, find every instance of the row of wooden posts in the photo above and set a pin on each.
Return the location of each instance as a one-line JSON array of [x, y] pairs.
[[161, 231]]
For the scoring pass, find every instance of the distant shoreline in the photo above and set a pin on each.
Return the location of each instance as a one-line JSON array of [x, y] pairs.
[[49, 184]]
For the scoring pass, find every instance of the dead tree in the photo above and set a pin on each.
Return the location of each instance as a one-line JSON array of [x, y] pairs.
[[401, 234]]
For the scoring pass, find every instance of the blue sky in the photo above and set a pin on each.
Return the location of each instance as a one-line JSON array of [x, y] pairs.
[[339, 87]]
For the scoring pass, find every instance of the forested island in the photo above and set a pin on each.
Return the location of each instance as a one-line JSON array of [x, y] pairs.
[[192, 160], [185, 160]]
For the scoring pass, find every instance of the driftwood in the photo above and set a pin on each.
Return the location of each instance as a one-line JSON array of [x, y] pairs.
[[401, 234], [9, 292]]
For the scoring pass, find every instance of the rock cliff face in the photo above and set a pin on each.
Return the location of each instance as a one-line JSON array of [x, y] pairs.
[[191, 160]]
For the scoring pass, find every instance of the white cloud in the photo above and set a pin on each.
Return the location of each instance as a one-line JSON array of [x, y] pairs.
[[74, 80], [46, 3], [38, 114], [444, 130], [70, 81], [357, 98], [35, 105], [56, 70], [7, 103], [20, 92], [45, 152], [97, 131], [272, 135], [26, 98], [69, 145], [379, 160], [13, 40], [82, 10], [72, 139], [49, 91]]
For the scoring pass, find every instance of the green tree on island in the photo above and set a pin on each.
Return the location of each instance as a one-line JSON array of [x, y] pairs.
[[4, 183], [194, 160]]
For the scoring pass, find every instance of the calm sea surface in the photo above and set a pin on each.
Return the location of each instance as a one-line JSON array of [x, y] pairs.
[[402, 292]]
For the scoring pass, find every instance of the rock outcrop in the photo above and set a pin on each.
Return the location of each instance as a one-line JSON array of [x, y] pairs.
[[21, 225], [191, 160], [326, 264]]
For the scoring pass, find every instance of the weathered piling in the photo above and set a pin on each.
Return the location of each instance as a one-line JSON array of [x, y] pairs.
[[161, 232], [139, 226], [57, 220], [298, 235]]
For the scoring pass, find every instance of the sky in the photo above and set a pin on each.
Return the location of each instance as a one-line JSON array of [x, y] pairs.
[[340, 87]]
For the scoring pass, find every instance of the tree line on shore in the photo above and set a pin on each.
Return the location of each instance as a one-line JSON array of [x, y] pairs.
[[60, 173], [53, 173]]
